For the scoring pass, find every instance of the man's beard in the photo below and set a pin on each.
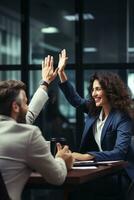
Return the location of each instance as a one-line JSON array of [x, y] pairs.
[[21, 116]]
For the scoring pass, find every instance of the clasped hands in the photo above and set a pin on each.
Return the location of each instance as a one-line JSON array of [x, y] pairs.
[[69, 157]]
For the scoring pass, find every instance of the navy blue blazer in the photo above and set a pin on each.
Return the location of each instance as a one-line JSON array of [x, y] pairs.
[[116, 133]]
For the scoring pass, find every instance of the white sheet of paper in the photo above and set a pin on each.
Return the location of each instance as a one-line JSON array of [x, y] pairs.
[[84, 161], [109, 162], [85, 167]]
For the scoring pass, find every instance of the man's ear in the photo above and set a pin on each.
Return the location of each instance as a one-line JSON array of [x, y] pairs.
[[15, 107]]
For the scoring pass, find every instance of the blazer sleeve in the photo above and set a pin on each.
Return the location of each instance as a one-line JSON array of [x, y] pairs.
[[38, 101], [120, 150], [40, 158], [72, 96]]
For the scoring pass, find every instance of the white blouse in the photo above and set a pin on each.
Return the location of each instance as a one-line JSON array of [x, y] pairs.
[[97, 129]]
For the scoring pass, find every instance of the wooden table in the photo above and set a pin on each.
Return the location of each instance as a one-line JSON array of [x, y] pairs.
[[77, 177]]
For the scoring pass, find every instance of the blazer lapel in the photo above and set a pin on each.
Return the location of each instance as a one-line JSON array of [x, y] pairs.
[[89, 121], [108, 120]]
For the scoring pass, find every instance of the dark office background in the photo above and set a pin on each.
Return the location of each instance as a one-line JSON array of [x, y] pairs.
[[98, 35]]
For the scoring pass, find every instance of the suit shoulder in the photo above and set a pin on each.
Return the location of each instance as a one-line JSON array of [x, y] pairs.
[[27, 128], [121, 115]]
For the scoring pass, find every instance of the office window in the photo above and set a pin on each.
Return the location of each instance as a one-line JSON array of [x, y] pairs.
[[104, 31], [51, 29], [130, 31], [34, 80], [10, 75], [10, 42]]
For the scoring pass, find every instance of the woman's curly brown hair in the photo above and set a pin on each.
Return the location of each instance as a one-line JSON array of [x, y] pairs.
[[118, 94]]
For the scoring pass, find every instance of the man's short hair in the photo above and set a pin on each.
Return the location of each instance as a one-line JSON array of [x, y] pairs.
[[9, 91]]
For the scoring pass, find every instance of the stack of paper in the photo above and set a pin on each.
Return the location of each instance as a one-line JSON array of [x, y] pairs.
[[90, 164]]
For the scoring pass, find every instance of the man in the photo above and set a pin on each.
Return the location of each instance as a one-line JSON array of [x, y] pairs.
[[22, 147]]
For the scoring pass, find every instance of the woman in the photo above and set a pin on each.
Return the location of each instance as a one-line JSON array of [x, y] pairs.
[[108, 127]]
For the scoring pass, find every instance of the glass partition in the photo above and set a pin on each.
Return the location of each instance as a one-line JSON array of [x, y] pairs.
[[104, 31], [130, 30], [51, 29], [10, 41], [10, 75]]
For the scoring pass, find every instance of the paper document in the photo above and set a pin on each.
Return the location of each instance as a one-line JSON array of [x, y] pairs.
[[84, 161], [87, 167], [90, 163], [109, 162]]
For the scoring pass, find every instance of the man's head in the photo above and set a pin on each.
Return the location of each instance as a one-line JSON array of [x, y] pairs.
[[13, 100]]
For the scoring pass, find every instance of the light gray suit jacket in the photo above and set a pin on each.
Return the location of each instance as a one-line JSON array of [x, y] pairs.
[[23, 148], [38, 101]]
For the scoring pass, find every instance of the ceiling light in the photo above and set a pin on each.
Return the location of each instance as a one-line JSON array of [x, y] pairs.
[[89, 49], [50, 30], [71, 17], [86, 16]]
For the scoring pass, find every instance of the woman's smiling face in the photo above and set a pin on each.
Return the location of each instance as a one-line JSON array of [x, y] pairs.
[[99, 95]]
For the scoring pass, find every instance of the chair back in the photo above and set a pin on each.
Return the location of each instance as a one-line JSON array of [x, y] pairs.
[[3, 190], [130, 193]]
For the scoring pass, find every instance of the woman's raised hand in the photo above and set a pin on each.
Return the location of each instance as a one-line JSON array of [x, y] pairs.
[[62, 60]]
